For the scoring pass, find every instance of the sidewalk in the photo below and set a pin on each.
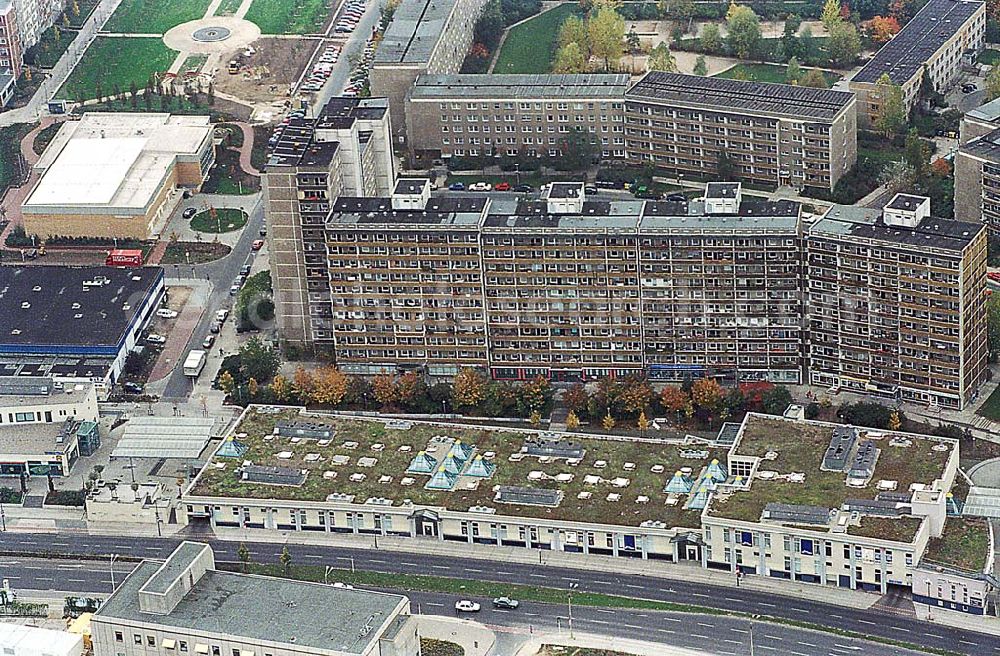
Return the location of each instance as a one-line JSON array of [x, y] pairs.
[[637, 647], [475, 638]]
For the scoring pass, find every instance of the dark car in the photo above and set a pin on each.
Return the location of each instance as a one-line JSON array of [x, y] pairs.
[[590, 189], [456, 186], [216, 327], [523, 189], [132, 388], [678, 198], [969, 87], [506, 603], [189, 212], [245, 270]]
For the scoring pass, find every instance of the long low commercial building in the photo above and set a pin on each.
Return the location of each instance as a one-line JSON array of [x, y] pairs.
[[526, 116], [768, 134], [744, 500], [117, 175], [933, 44]]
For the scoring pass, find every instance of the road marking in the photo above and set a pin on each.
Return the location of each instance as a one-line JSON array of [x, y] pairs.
[[899, 628], [764, 603], [735, 642], [847, 647], [538, 576], [806, 644], [839, 617], [711, 626], [671, 619], [665, 631], [698, 635], [735, 630], [77, 581], [313, 556], [867, 622], [767, 647], [440, 567], [477, 571], [731, 599], [941, 637], [635, 587], [698, 594], [43, 578], [967, 642], [779, 638], [800, 610], [606, 612], [410, 564], [797, 653], [434, 604], [505, 573], [633, 626]]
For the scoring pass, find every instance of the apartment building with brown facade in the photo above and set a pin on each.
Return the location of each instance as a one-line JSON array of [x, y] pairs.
[[528, 116], [897, 302], [765, 134]]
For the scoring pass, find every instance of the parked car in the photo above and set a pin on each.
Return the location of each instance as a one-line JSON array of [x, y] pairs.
[[216, 327], [502, 186], [257, 245], [263, 232], [134, 388], [456, 186], [153, 338], [679, 198], [480, 186], [466, 606], [506, 603], [189, 212], [222, 315], [166, 313], [523, 189], [208, 341], [969, 87], [245, 270], [235, 289]]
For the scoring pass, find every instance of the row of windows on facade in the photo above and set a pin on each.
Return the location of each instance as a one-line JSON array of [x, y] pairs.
[[527, 106], [180, 645]]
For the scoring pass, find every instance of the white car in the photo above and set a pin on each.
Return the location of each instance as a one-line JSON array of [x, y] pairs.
[[480, 186], [466, 606], [165, 313], [153, 338]]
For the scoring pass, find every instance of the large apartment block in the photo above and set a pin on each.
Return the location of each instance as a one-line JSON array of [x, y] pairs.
[[345, 150], [897, 302], [514, 115], [932, 43], [771, 134], [11, 55], [425, 36], [977, 180]]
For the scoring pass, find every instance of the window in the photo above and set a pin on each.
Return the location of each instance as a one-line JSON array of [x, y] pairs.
[[119, 637], [150, 641], [184, 645], [216, 650], [136, 639]]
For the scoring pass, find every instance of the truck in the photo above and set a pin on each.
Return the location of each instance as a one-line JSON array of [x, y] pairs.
[[194, 363], [124, 257]]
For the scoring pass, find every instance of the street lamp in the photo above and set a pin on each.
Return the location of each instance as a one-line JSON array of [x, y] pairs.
[[113, 556], [326, 574]]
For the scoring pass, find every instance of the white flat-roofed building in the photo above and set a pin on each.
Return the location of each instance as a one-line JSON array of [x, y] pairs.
[[116, 175], [16, 640]]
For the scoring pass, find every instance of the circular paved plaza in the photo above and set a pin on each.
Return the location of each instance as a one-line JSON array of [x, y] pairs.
[[215, 35]]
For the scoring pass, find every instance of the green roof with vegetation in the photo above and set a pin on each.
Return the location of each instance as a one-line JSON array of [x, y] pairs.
[[964, 544], [219, 478], [800, 448]]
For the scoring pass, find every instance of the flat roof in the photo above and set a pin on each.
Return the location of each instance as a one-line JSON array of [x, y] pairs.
[[867, 223], [354, 439], [37, 390], [52, 365], [115, 160], [740, 96], [799, 446], [46, 310], [415, 30], [447, 210], [908, 202], [302, 142], [263, 609], [986, 147], [35, 440], [906, 53], [409, 186], [594, 86], [178, 561], [988, 112]]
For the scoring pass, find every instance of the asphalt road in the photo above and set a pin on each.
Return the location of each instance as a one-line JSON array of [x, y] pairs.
[[711, 633], [221, 273], [864, 622]]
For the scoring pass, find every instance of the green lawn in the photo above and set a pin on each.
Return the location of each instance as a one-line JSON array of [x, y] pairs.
[[530, 46], [990, 57], [116, 60], [767, 73], [192, 64], [227, 177], [226, 219], [991, 407], [190, 252], [10, 152], [154, 16], [50, 47], [290, 16]]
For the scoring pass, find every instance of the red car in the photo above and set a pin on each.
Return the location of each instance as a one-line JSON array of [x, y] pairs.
[[994, 276], [503, 186], [257, 245]]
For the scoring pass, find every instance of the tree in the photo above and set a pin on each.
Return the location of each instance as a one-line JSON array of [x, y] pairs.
[[244, 556], [534, 394], [813, 78], [253, 388], [993, 326], [993, 84], [535, 418], [642, 423], [574, 30], [700, 66], [576, 399], [258, 361], [304, 385], [280, 388], [468, 390], [674, 399], [226, 383], [577, 150], [608, 423], [412, 389], [385, 390], [606, 30], [285, 559], [896, 175], [683, 11], [807, 44], [916, 154], [892, 113], [776, 400], [844, 44], [882, 28], [490, 25], [632, 42], [569, 59], [330, 386], [634, 395], [743, 26], [572, 421], [793, 71], [894, 422], [661, 59], [706, 394], [725, 170], [831, 15], [711, 39]]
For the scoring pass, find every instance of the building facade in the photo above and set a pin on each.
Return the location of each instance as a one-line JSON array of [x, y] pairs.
[[514, 115], [185, 605], [11, 52], [977, 178], [897, 303], [344, 150], [26, 400], [424, 36], [767, 134], [931, 44]]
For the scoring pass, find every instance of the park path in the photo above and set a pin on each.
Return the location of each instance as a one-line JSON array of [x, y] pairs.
[[246, 150]]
